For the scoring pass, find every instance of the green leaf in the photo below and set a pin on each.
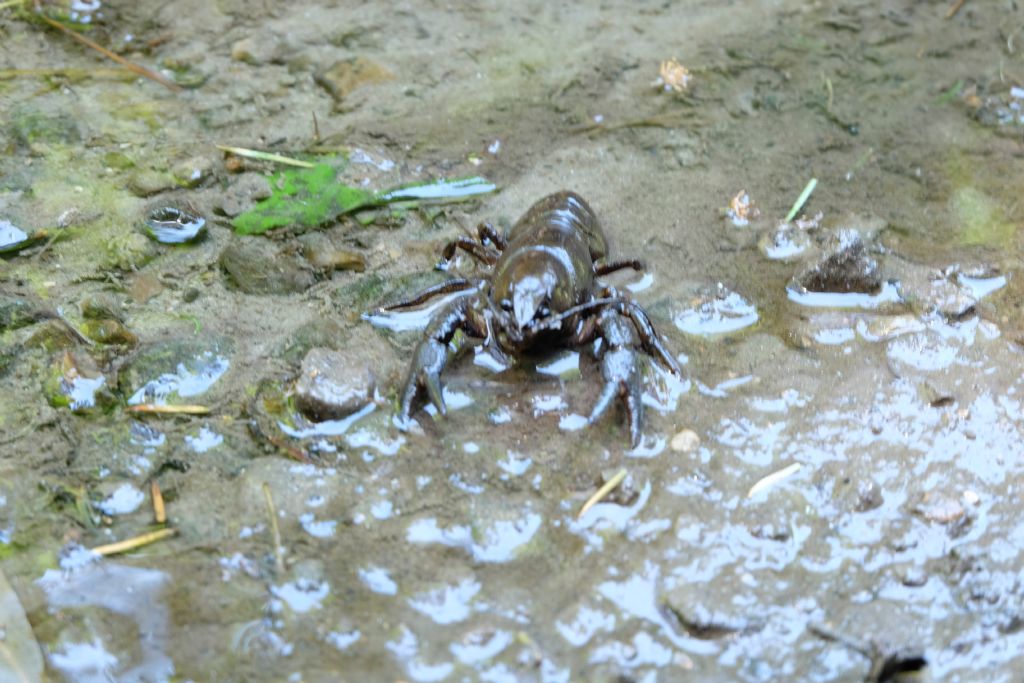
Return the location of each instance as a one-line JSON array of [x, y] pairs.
[[305, 198], [309, 198]]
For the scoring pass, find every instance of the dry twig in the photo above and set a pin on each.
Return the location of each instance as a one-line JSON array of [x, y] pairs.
[[131, 66]]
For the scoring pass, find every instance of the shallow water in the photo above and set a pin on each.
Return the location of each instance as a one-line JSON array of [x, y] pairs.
[[454, 550]]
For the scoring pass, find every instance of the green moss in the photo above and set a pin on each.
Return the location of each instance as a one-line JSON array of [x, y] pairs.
[[117, 161], [33, 128], [980, 219], [142, 112]]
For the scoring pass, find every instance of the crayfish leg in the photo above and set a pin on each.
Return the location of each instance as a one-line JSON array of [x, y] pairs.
[[458, 284]]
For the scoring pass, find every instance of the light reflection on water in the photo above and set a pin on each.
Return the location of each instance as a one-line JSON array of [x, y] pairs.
[[97, 591]]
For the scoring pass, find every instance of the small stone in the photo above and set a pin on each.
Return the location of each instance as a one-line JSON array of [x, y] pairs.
[[244, 191], [257, 266], [952, 301], [885, 327], [341, 78], [785, 242], [323, 254], [145, 183], [914, 577], [109, 331], [192, 172], [256, 50], [333, 384], [52, 335], [130, 251], [971, 497], [845, 267], [234, 163], [938, 507], [869, 496], [686, 441], [143, 287]]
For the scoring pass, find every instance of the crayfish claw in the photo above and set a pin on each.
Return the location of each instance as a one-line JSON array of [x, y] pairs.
[[428, 362], [432, 383], [621, 378]]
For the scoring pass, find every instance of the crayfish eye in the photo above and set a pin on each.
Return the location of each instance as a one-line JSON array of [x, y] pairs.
[[506, 305]]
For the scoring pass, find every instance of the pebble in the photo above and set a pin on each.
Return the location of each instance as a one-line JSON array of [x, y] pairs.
[[686, 441], [257, 266], [333, 384], [341, 78]]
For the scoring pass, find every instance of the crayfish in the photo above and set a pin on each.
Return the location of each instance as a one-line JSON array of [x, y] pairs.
[[540, 293]]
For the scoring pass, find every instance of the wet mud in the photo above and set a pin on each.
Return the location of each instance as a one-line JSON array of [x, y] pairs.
[[830, 494]]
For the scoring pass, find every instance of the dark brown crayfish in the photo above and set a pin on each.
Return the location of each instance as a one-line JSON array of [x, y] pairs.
[[541, 293]]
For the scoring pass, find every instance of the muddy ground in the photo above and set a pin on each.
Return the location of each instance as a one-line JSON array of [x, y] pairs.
[[868, 352]]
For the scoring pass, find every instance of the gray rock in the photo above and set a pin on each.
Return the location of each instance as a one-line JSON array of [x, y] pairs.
[[334, 384], [245, 190], [191, 172], [146, 183], [258, 49], [341, 78], [846, 266], [255, 265], [325, 253]]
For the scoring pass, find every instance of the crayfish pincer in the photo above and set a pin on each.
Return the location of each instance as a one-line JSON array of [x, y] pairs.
[[539, 292]]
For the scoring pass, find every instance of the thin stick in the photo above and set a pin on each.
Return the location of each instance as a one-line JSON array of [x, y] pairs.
[[954, 8], [74, 330], [608, 487], [773, 479], [185, 409], [133, 543], [801, 200], [159, 512], [265, 156], [71, 73], [141, 70], [1009, 38], [294, 452], [274, 530]]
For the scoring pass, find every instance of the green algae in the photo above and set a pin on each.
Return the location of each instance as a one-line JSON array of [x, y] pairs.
[[980, 219]]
